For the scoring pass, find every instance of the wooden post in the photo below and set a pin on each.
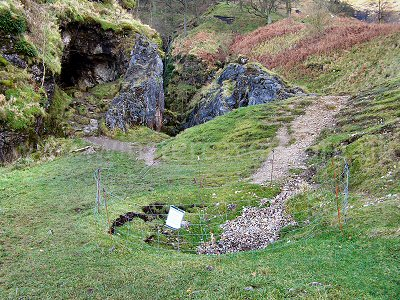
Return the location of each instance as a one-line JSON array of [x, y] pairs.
[[106, 207], [337, 195], [98, 189], [272, 167]]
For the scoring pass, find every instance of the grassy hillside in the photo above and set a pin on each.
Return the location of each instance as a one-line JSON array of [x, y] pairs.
[[368, 135], [340, 55], [54, 245]]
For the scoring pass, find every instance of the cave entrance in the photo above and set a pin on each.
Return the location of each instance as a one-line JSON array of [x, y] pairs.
[[91, 56]]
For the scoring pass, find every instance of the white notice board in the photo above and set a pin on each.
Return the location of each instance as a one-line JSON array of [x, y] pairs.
[[175, 217]]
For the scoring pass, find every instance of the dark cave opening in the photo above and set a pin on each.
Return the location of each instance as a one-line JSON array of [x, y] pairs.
[[85, 71], [91, 56]]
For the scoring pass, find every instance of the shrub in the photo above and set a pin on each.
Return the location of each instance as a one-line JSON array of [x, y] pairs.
[[20, 104], [128, 4], [3, 61], [21, 108], [11, 23]]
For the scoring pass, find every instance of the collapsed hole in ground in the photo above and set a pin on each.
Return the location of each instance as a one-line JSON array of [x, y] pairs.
[[201, 224]]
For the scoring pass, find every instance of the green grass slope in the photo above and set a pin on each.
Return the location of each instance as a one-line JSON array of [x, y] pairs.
[[54, 246], [368, 135]]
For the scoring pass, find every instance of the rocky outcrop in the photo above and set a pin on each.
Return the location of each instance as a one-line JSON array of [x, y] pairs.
[[141, 98], [238, 85], [184, 77]]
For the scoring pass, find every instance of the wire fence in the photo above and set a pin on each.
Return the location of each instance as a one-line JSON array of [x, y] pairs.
[[144, 224]]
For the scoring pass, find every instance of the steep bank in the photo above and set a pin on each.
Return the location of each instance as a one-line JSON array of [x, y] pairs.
[[60, 64]]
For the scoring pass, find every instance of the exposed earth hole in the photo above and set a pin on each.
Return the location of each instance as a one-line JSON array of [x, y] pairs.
[[150, 213]]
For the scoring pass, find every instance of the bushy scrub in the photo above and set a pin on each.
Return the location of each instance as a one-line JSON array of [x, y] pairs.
[[21, 108], [129, 4]]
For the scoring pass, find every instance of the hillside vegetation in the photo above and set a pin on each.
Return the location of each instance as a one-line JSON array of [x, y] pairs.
[[211, 39], [73, 252], [55, 242], [344, 55], [317, 51]]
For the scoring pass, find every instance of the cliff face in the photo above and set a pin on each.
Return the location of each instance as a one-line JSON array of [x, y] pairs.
[[238, 85], [141, 99]]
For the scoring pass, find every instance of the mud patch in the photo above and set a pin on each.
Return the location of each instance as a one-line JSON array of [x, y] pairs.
[[129, 217]]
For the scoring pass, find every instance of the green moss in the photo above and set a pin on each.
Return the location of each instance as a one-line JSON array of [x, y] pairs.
[[107, 90], [26, 48], [3, 61], [11, 22], [228, 87], [56, 120]]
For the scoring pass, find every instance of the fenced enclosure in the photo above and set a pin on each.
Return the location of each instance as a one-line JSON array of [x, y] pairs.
[[134, 213]]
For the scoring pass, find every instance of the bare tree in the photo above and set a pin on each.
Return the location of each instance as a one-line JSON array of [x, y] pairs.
[[39, 21], [263, 8], [381, 7], [288, 5]]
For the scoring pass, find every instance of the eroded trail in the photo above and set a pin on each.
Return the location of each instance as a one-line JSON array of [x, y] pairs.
[[258, 227], [304, 131], [145, 153]]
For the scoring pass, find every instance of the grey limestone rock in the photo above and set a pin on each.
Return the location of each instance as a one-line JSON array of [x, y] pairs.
[[141, 99], [239, 85]]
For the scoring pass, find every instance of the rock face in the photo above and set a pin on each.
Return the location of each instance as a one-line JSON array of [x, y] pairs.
[[237, 86], [9, 141], [141, 99]]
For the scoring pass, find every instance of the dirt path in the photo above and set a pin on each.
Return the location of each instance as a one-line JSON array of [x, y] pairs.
[[258, 227], [304, 130], [146, 153]]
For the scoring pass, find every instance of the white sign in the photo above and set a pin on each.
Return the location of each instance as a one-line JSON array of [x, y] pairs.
[[175, 217]]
